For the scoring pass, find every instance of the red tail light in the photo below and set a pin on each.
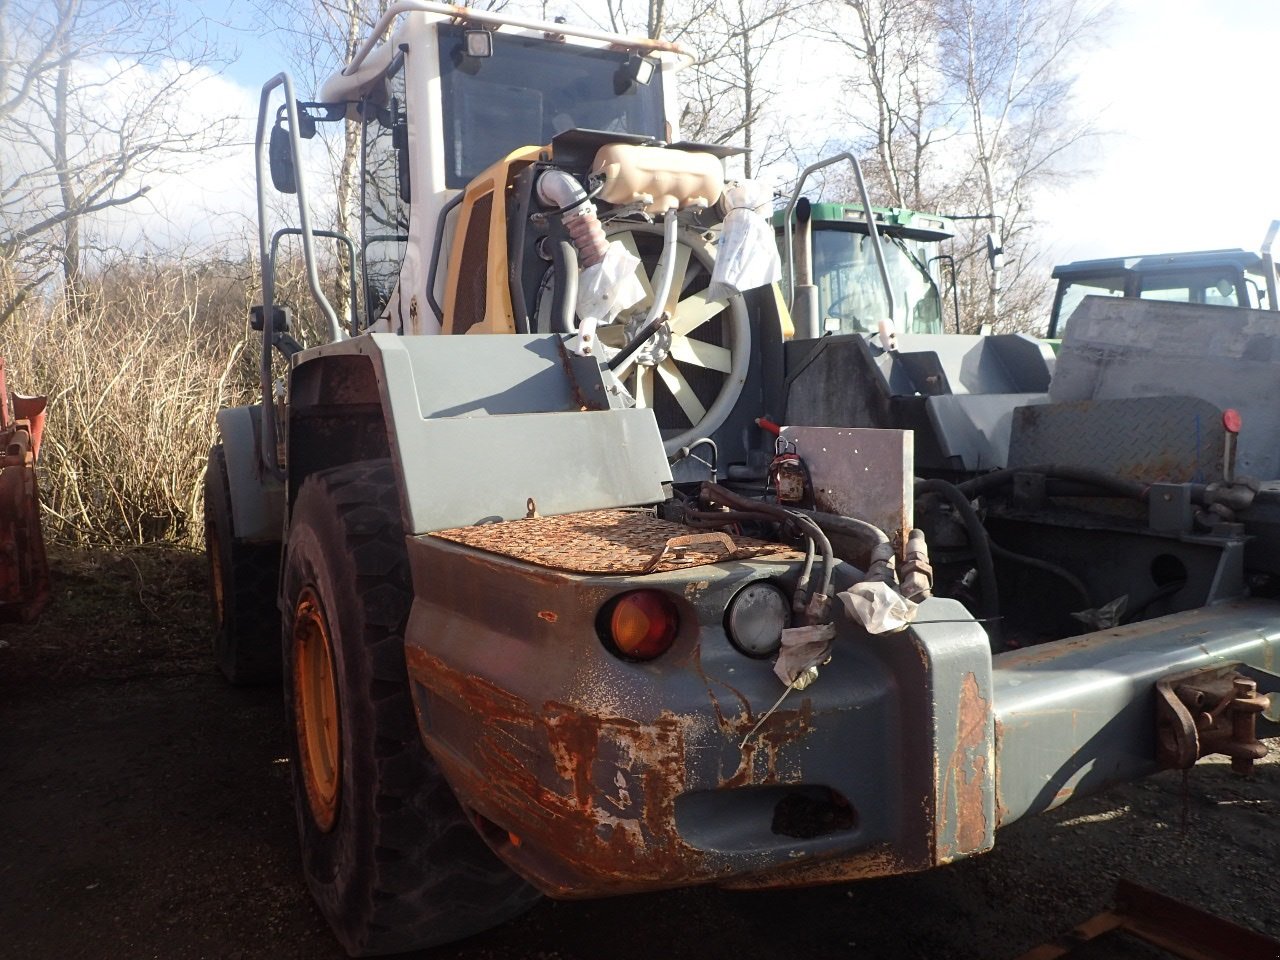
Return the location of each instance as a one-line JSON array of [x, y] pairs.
[[641, 625]]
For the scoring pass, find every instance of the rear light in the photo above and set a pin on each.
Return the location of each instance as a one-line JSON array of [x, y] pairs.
[[640, 625]]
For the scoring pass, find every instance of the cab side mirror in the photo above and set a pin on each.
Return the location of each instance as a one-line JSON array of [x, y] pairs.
[[280, 156]]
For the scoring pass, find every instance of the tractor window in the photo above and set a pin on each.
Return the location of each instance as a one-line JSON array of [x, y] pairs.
[[385, 191], [1213, 288], [851, 295], [1072, 292], [532, 89]]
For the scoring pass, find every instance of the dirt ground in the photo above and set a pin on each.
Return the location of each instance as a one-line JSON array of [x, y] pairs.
[[145, 812]]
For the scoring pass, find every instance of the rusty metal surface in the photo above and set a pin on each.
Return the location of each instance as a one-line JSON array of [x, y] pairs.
[[24, 567], [1154, 439], [621, 832], [1178, 928], [1210, 711], [861, 473], [607, 541]]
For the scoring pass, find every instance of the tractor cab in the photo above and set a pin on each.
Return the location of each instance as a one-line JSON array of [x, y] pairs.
[[844, 268], [1219, 278]]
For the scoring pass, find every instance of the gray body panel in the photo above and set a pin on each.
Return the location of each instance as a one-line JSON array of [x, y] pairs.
[[257, 500], [478, 426], [620, 776], [1076, 716], [1123, 348]]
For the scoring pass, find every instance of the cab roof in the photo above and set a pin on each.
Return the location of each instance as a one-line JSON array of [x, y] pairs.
[[1233, 258]]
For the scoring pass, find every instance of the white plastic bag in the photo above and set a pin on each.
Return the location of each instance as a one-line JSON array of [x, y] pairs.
[[746, 256], [877, 606], [605, 289], [803, 649]]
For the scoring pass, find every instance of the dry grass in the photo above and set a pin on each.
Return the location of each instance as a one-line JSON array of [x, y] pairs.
[[135, 368]]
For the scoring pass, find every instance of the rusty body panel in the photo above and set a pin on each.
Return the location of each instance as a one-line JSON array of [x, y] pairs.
[[591, 775]]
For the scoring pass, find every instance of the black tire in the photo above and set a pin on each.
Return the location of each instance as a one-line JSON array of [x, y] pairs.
[[242, 587], [400, 867]]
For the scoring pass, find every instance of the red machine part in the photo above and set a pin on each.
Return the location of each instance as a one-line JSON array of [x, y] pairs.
[[24, 567]]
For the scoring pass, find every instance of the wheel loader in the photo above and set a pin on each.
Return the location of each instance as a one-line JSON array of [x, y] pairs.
[[588, 574]]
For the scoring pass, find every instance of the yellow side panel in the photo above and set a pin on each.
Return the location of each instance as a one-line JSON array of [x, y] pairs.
[[493, 185]]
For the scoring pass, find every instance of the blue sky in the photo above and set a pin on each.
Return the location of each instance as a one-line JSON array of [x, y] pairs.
[[1184, 89]]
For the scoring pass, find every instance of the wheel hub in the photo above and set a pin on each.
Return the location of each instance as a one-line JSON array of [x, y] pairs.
[[315, 708], [656, 349]]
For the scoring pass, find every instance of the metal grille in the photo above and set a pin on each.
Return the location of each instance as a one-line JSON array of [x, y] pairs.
[[610, 541]]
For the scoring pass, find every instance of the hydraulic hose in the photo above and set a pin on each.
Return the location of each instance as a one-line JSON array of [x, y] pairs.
[[981, 545], [1063, 574], [867, 534], [1112, 485]]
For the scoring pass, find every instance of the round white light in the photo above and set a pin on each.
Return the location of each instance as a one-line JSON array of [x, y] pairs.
[[756, 618]]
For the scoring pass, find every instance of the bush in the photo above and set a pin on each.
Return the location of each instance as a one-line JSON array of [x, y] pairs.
[[135, 364]]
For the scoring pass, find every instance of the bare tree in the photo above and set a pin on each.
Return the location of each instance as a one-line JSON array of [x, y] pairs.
[[91, 108], [1009, 62], [968, 111]]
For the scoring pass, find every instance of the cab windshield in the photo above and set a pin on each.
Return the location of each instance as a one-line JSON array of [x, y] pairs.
[[850, 294], [530, 90]]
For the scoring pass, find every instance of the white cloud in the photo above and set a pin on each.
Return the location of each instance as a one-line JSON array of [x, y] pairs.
[[1183, 86]]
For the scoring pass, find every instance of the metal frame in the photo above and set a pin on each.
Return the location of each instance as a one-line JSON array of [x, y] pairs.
[[871, 226], [268, 448]]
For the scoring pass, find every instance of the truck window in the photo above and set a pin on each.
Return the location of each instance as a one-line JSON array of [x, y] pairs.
[[384, 190], [529, 91]]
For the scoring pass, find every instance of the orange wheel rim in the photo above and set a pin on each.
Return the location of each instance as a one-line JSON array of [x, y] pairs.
[[315, 708]]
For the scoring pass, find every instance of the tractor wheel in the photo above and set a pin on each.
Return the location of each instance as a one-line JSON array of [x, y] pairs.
[[390, 856], [242, 582]]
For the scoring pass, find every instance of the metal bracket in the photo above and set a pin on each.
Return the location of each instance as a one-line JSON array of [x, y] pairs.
[[1210, 711], [678, 545]]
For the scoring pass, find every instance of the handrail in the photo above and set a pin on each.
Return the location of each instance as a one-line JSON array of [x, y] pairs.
[[268, 447], [1269, 265], [871, 226], [354, 327]]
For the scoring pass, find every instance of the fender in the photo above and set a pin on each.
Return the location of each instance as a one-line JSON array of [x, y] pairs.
[[257, 500]]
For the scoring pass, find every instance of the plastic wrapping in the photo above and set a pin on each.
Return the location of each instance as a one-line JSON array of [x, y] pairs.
[[877, 607], [803, 649], [747, 256], [605, 289]]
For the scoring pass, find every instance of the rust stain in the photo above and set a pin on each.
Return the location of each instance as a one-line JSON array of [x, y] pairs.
[[962, 794], [1002, 811], [548, 615], [759, 758], [879, 861], [607, 806], [784, 727]]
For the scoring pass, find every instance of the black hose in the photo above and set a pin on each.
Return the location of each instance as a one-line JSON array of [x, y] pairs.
[[564, 295], [981, 545], [1112, 485], [714, 493], [867, 534], [1061, 573]]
